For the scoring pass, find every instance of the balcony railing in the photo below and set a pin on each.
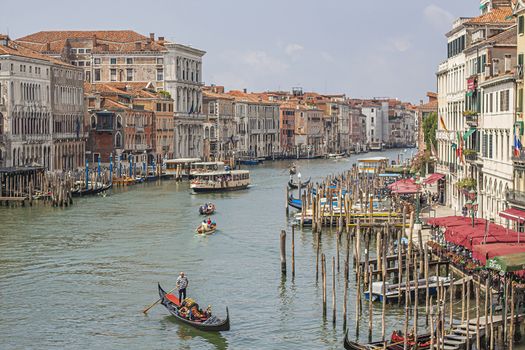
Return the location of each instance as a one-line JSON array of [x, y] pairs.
[[471, 157], [516, 197], [520, 158], [471, 119]]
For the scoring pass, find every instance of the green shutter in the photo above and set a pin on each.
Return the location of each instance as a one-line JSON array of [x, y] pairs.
[[520, 25], [520, 59]]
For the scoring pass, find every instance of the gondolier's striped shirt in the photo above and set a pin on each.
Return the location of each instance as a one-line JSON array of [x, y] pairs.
[[182, 282]]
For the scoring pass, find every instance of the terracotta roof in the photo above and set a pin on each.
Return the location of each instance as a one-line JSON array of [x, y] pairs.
[[17, 50], [497, 15], [507, 37], [106, 41], [211, 94]]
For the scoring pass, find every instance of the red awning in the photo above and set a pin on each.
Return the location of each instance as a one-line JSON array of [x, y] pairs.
[[483, 252], [404, 186], [514, 215], [433, 178]]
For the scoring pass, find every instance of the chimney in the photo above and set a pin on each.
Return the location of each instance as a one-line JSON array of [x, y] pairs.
[[507, 63], [152, 36], [94, 40], [245, 90], [138, 46], [161, 40], [495, 66], [48, 46]]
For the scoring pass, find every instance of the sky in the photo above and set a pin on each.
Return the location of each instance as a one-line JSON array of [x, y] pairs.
[[365, 48]]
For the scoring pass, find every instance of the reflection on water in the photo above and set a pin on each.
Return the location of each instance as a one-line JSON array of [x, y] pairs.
[[188, 333]]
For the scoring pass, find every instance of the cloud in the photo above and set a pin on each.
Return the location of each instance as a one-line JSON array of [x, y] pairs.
[[292, 49], [401, 44], [438, 18], [261, 61], [327, 57]]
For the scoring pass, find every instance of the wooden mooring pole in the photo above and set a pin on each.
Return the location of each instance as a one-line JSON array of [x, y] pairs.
[[283, 252]]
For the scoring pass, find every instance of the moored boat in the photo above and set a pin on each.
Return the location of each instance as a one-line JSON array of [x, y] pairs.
[[294, 185], [221, 181], [207, 209], [393, 291], [210, 323], [396, 343]]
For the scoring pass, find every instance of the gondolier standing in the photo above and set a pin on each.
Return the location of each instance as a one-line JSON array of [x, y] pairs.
[[182, 284]]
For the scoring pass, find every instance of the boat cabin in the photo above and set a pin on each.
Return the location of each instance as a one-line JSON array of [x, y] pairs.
[[372, 165], [220, 181], [184, 164]]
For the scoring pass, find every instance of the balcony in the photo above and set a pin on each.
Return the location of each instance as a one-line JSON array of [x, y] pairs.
[[515, 197], [471, 155], [471, 118]]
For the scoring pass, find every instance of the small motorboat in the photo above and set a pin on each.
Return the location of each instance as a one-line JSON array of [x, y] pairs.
[[294, 185], [205, 229], [188, 312], [207, 209]]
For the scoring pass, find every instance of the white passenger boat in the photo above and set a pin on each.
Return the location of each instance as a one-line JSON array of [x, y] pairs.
[[220, 181]]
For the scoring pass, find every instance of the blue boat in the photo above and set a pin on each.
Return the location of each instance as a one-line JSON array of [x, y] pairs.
[[295, 203], [249, 161]]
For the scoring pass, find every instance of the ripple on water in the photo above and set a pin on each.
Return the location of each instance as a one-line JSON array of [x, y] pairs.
[[80, 277]]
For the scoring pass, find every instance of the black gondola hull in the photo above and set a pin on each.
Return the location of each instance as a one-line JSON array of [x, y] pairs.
[[216, 325]]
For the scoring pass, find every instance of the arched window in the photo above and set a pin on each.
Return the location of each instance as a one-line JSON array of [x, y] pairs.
[[93, 121], [118, 140], [119, 121]]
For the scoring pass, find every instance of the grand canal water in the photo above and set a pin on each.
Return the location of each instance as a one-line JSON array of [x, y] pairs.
[[79, 277]]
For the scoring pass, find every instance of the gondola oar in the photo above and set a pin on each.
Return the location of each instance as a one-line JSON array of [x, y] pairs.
[[155, 303]]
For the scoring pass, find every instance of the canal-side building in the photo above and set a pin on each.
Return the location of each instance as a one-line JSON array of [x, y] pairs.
[[104, 55], [287, 111], [258, 125], [455, 106], [118, 127], [41, 110], [357, 130], [424, 110], [220, 129], [183, 81], [309, 132]]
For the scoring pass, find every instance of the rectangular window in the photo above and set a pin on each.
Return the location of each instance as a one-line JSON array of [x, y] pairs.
[[113, 74], [485, 144], [88, 50], [97, 74], [129, 74], [88, 63], [113, 60], [491, 102], [81, 63], [81, 51], [73, 50], [160, 74], [504, 101], [129, 60], [97, 60], [520, 25], [159, 107], [160, 60]]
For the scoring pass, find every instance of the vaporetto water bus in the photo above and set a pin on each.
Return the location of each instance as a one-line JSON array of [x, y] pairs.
[[220, 181]]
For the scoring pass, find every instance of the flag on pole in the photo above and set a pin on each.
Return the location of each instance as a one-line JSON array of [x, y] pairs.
[[442, 122], [517, 146]]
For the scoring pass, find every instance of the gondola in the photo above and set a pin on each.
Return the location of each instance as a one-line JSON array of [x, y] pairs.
[[207, 209], [206, 230], [295, 185], [79, 191], [212, 324], [396, 342], [295, 203]]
